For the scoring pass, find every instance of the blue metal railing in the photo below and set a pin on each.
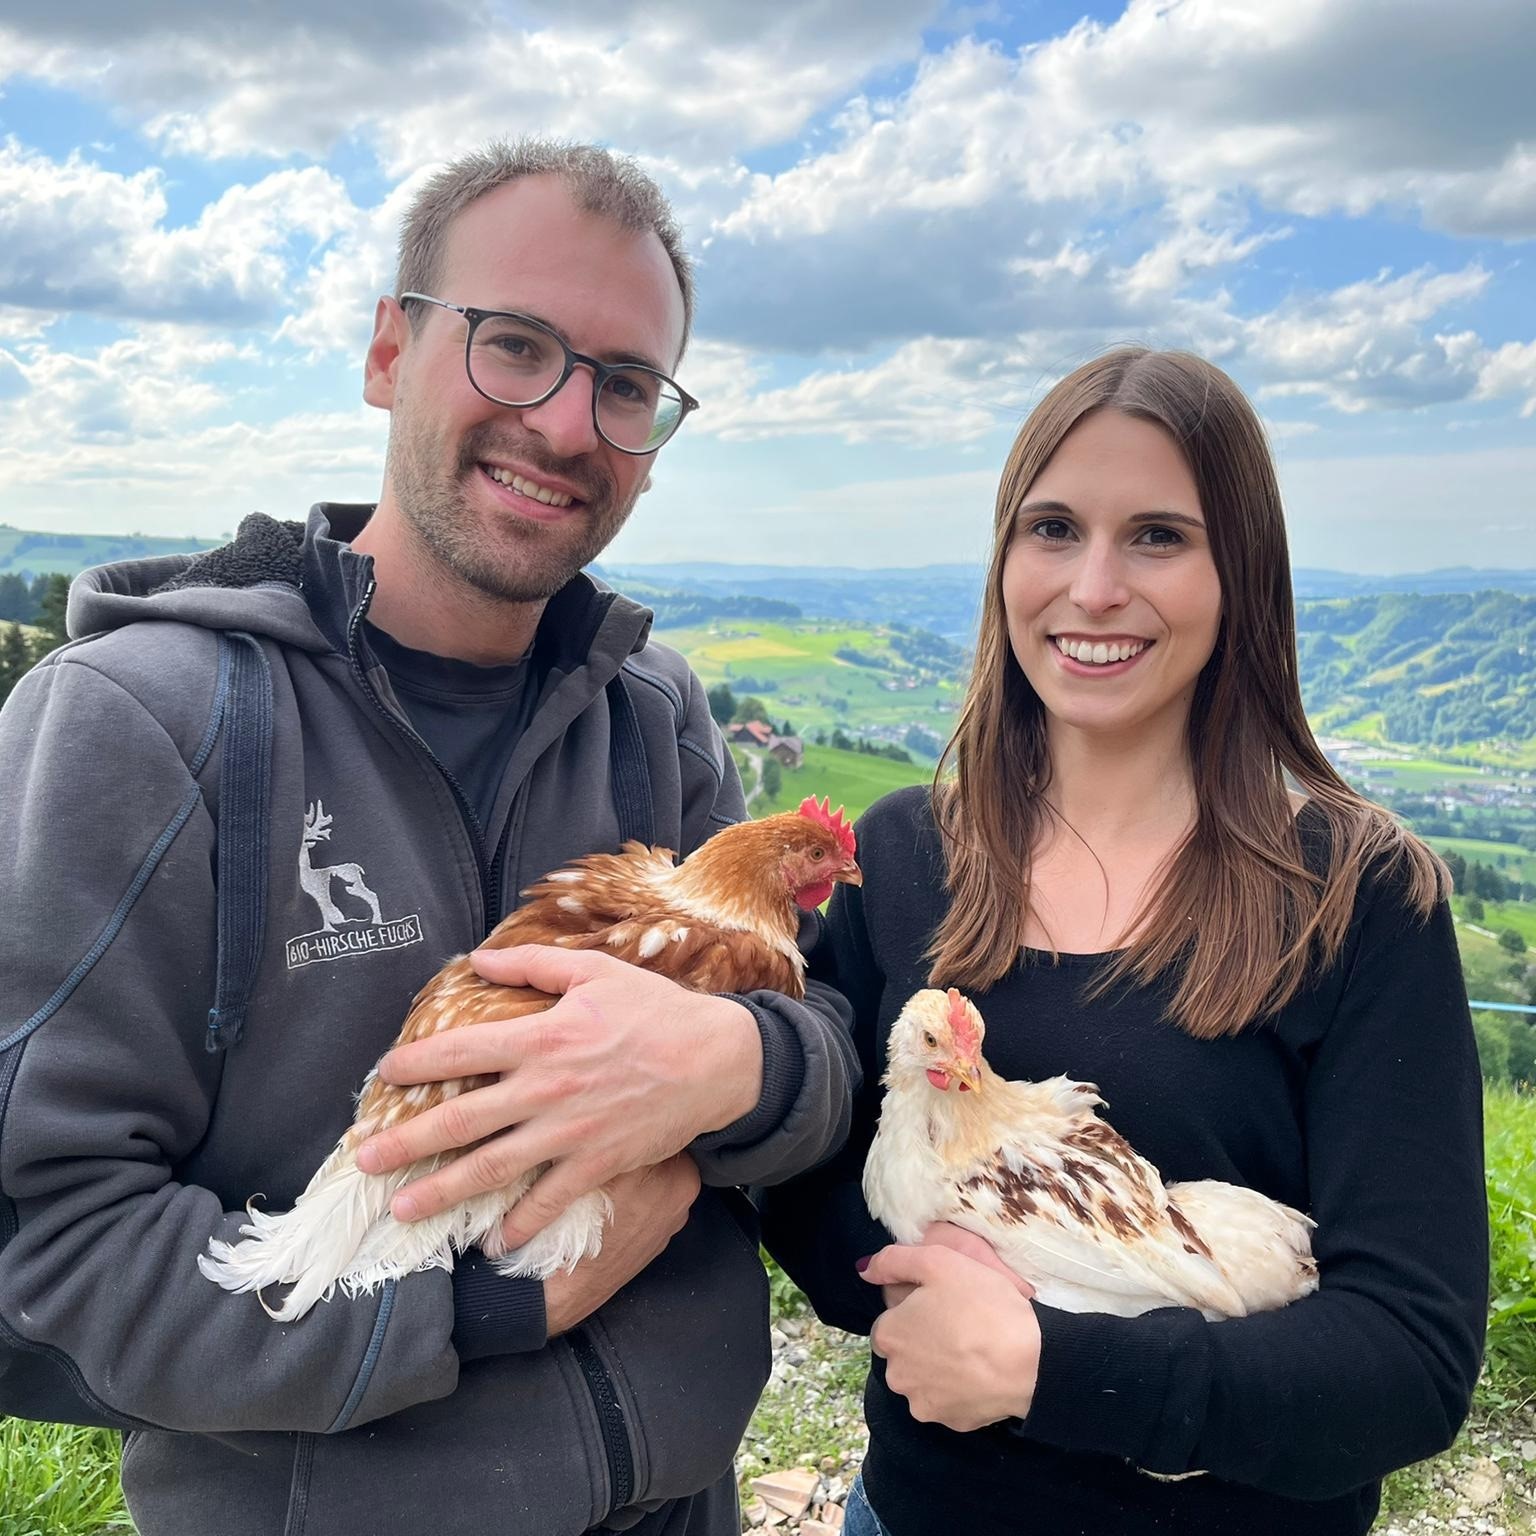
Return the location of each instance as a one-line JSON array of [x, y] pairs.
[[1503, 1007]]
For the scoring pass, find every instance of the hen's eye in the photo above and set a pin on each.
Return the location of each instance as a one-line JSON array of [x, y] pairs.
[[817, 854], [929, 1041]]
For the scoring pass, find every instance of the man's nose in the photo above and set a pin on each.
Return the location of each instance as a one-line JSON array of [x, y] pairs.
[[565, 420], [1098, 582]]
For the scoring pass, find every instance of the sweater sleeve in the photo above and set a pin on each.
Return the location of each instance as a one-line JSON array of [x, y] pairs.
[[809, 1067], [817, 1227], [106, 954], [1376, 1369]]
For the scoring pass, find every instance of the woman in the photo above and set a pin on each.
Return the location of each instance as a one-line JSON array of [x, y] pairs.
[[1263, 983]]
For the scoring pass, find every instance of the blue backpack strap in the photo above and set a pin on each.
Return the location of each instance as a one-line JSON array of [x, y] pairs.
[[629, 771], [245, 781]]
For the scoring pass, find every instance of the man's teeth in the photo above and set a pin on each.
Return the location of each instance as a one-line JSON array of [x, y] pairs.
[[1097, 653], [530, 488]]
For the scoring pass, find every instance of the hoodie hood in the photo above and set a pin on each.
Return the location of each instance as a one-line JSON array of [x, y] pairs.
[[300, 585]]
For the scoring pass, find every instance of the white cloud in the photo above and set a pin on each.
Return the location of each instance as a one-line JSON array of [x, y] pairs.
[[928, 391], [1511, 370], [695, 82], [1363, 345], [74, 236]]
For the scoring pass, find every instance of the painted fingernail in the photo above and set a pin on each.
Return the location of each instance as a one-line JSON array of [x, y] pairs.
[[862, 1264]]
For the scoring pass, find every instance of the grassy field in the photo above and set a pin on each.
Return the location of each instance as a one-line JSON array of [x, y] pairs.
[[1507, 858], [853, 780], [796, 672], [1519, 915]]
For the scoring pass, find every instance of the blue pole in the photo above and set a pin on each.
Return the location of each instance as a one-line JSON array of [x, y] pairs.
[[1503, 1007]]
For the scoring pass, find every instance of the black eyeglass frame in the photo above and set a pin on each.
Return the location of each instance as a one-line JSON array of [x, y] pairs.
[[601, 372]]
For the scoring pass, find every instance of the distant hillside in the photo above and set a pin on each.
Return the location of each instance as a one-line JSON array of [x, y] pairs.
[[37, 554], [944, 598], [1442, 670]]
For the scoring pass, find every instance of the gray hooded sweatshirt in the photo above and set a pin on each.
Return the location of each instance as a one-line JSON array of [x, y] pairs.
[[437, 1404]]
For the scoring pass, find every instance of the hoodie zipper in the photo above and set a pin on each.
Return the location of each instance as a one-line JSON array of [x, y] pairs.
[[610, 1416], [490, 883], [605, 1399]]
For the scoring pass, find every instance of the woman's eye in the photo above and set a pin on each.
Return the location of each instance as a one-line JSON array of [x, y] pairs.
[[1052, 529], [1162, 538]]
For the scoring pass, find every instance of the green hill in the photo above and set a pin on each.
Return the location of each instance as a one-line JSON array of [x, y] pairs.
[[879, 681], [853, 780], [1444, 671], [36, 554]]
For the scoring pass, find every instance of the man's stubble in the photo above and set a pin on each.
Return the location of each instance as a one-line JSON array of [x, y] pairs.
[[507, 559]]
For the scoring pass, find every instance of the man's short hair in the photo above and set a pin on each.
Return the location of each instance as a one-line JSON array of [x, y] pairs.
[[600, 182]]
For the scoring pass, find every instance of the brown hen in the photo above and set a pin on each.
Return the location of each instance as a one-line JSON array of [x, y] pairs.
[[724, 920]]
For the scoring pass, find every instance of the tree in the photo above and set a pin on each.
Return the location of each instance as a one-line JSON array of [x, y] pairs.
[[1512, 941], [15, 658], [750, 708], [773, 777], [50, 617], [722, 703], [1475, 909]]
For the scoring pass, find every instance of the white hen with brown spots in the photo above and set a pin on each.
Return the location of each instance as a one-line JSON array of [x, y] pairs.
[[1057, 1191]]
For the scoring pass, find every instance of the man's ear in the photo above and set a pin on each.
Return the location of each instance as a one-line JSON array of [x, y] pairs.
[[381, 366]]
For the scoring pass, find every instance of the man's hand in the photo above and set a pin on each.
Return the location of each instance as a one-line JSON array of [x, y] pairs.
[[622, 1072], [650, 1207], [963, 1348]]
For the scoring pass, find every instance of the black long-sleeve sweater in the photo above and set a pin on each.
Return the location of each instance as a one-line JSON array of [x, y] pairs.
[[1359, 1103]]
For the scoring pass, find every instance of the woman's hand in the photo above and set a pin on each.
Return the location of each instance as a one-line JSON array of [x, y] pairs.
[[963, 1345]]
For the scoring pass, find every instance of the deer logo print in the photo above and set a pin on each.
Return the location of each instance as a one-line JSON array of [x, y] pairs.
[[339, 934]]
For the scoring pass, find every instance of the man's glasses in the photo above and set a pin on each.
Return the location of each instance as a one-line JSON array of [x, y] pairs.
[[516, 360]]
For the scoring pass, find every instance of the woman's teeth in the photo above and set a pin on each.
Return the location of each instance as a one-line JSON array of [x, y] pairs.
[[1097, 653], [529, 488]]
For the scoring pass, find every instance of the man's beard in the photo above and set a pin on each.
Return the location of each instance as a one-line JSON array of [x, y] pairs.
[[511, 559]]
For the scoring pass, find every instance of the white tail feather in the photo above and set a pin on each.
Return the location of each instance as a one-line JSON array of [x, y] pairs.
[[340, 1232]]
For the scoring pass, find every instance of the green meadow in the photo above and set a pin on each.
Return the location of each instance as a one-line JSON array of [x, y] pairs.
[[871, 689]]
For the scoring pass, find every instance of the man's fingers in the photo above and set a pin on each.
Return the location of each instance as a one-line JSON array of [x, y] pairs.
[[546, 967], [550, 1195], [457, 1122], [472, 1050], [494, 1164]]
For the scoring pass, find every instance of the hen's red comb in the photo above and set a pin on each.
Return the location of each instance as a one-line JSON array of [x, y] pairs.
[[834, 822], [960, 1024]]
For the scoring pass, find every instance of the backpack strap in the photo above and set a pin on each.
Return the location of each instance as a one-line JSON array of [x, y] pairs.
[[630, 775], [245, 781]]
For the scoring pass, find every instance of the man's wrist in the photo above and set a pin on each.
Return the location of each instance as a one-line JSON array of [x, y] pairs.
[[736, 1063]]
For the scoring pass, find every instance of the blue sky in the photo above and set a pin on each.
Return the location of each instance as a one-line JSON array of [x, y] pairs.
[[909, 218]]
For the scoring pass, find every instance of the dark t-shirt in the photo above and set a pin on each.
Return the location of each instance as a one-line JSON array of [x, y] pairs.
[[470, 716]]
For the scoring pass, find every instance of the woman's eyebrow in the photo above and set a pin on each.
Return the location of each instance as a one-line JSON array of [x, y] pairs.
[[1061, 509]]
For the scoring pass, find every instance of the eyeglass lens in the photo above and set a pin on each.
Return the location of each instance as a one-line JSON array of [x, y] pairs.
[[517, 363]]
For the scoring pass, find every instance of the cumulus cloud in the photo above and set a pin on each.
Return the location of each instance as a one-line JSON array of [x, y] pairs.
[[77, 237], [1511, 370], [695, 82]]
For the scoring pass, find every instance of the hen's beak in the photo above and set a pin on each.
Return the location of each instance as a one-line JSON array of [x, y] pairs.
[[967, 1074], [850, 874]]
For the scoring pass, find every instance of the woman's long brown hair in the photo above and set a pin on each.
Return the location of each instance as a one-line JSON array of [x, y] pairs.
[[1237, 917]]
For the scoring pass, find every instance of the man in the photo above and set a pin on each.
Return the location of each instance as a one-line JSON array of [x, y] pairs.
[[456, 710]]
